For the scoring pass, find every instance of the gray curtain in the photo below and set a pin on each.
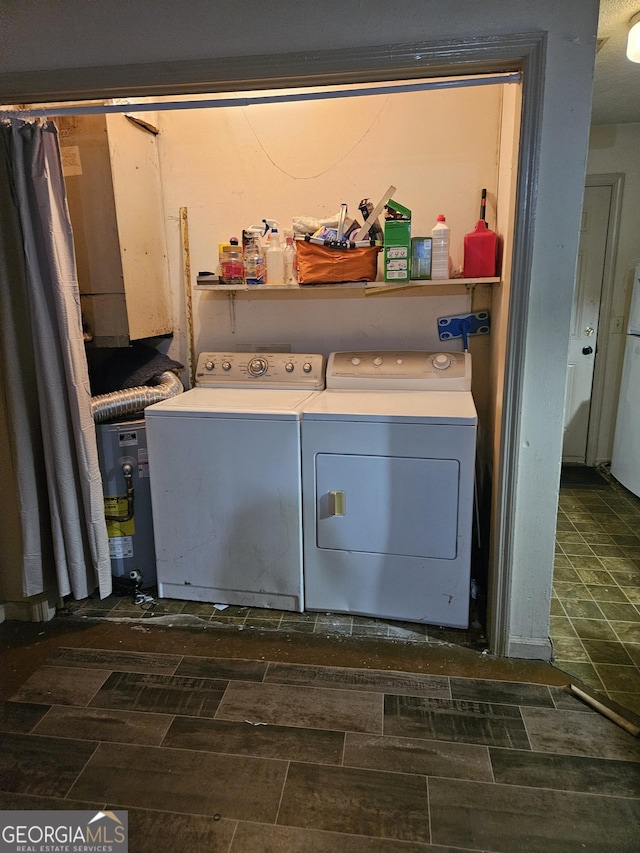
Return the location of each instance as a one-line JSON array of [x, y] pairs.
[[43, 378]]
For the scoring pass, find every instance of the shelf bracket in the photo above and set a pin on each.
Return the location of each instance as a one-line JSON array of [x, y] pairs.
[[387, 288], [232, 310]]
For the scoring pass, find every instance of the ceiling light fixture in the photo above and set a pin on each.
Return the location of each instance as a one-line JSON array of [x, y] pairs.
[[633, 39]]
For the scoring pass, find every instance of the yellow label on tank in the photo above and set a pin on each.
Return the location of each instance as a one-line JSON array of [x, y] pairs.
[[116, 505]]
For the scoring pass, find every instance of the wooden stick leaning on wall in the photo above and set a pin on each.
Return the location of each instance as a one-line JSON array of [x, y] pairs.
[[186, 274]]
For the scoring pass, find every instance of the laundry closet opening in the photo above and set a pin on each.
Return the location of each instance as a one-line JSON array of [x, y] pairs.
[[224, 168]]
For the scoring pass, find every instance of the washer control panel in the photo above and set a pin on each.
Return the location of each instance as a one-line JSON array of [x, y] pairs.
[[271, 370], [407, 370]]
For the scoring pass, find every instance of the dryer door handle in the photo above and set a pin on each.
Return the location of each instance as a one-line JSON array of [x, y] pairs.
[[337, 503]]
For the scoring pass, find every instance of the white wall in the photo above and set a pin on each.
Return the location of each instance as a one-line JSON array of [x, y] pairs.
[[615, 149], [230, 167]]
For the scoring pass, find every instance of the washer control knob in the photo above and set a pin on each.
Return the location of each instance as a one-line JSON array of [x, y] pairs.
[[377, 361], [307, 367], [355, 360], [441, 361], [226, 365], [209, 365], [289, 367], [258, 366]]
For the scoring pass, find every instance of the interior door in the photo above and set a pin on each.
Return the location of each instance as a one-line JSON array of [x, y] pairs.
[[584, 323]]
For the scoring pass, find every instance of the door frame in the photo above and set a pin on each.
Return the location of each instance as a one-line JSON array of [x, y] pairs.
[[524, 52], [614, 180]]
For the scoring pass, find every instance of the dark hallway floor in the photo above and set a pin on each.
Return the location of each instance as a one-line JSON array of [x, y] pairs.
[[595, 609], [273, 742]]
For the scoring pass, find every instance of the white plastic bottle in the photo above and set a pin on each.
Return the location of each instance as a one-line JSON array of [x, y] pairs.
[[275, 259], [290, 262], [440, 249]]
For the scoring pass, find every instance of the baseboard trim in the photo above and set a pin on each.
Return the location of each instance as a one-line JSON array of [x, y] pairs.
[[530, 648], [38, 608]]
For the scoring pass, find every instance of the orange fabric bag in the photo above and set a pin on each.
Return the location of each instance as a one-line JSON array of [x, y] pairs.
[[335, 263]]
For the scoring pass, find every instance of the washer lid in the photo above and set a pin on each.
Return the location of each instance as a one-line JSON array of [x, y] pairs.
[[235, 402], [434, 407]]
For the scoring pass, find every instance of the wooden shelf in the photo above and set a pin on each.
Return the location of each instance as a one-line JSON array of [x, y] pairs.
[[386, 286], [207, 283]]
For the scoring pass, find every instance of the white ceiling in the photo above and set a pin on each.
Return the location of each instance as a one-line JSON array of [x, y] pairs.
[[616, 85]]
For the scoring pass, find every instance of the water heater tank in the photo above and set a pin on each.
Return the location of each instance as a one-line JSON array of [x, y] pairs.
[[124, 466]]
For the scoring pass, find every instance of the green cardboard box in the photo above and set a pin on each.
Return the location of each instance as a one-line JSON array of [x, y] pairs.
[[397, 243]]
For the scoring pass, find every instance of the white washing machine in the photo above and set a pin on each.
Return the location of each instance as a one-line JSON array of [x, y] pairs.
[[224, 467], [388, 460]]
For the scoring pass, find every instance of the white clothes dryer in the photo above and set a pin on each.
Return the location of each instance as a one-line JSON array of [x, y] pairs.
[[388, 467], [224, 467]]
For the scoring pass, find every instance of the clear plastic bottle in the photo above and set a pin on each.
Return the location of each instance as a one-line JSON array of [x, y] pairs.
[[275, 259], [254, 267], [290, 262], [440, 249], [231, 263]]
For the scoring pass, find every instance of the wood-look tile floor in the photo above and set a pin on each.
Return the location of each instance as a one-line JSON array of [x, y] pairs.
[[258, 756]]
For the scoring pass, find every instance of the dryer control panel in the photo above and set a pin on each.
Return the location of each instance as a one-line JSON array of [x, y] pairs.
[[406, 370], [269, 370]]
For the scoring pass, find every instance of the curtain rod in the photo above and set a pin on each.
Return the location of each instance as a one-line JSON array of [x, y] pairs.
[[213, 103]]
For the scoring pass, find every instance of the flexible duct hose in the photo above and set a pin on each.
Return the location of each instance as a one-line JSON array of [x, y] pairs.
[[105, 407]]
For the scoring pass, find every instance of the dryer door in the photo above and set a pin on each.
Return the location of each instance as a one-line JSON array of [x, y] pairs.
[[387, 505]]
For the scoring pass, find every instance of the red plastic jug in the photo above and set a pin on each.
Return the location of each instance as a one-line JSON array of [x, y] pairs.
[[480, 248]]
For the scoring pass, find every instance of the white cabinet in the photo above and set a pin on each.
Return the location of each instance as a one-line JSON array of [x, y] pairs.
[[114, 194]]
